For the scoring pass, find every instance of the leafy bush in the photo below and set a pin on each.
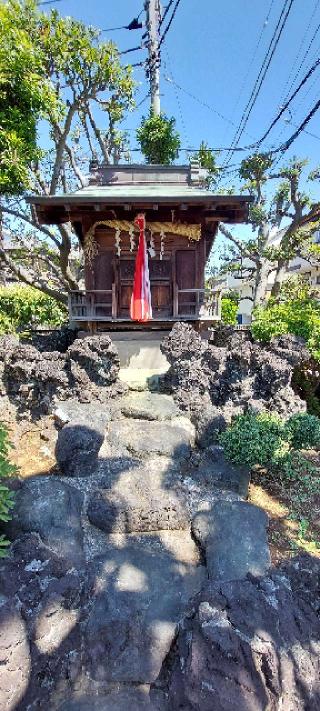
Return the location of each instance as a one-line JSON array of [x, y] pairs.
[[6, 497], [23, 306], [254, 439], [264, 439], [297, 311], [303, 431], [229, 308], [158, 139]]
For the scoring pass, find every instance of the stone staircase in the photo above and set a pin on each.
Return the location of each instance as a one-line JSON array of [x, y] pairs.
[[144, 521]]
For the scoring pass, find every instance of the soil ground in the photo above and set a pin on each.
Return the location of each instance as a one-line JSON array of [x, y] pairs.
[[293, 506]]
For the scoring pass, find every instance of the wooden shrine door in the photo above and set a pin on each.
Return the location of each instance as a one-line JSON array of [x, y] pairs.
[[161, 287], [103, 272], [186, 270]]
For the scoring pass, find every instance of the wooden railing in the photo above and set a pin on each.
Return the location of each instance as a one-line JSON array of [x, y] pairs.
[[93, 305], [101, 305], [196, 303]]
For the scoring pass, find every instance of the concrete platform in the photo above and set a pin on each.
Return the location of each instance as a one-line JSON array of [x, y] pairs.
[[140, 349]]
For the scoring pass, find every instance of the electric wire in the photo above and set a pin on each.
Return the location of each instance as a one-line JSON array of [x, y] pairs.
[[291, 98], [251, 61], [201, 102], [162, 19], [262, 72], [165, 32]]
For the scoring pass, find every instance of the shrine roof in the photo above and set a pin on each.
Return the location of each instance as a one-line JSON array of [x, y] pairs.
[[163, 193], [139, 186]]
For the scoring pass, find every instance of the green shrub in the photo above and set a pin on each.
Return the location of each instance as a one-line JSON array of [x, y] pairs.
[[297, 311], [303, 431], [265, 440], [6, 497], [254, 439], [22, 307], [229, 309]]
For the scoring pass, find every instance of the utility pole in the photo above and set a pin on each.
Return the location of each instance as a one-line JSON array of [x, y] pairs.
[[152, 8]]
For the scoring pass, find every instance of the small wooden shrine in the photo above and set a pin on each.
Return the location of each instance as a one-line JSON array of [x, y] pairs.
[[182, 219]]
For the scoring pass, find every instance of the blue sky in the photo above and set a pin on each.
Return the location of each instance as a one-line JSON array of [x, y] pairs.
[[208, 52], [211, 52]]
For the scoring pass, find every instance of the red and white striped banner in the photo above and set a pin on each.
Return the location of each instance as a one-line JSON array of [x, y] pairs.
[[141, 309]]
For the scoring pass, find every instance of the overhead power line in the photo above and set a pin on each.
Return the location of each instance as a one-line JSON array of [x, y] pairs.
[[291, 98], [265, 23], [170, 3], [300, 128], [286, 91], [263, 70], [200, 101], [163, 36]]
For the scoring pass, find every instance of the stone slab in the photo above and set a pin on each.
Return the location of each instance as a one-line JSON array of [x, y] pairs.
[[148, 406], [234, 537], [147, 498], [143, 438], [141, 588], [123, 700]]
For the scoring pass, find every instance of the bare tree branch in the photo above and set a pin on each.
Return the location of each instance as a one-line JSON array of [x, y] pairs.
[[31, 280], [240, 245], [61, 144], [25, 218]]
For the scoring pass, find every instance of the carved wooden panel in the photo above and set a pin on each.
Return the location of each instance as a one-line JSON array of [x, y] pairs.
[[160, 269]]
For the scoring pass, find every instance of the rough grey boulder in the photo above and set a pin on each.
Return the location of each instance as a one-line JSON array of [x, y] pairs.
[[233, 535], [40, 643], [34, 380], [209, 423], [213, 471], [253, 644], [142, 588], [77, 449], [52, 509], [15, 658], [129, 699], [230, 373], [94, 365], [181, 343]]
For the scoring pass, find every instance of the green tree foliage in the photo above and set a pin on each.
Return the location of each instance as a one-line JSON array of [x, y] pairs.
[[279, 203], [88, 92], [6, 497], [297, 311], [158, 139], [229, 308], [22, 307], [207, 160], [25, 95]]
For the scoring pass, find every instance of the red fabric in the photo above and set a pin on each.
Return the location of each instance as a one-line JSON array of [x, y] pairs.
[[140, 309]]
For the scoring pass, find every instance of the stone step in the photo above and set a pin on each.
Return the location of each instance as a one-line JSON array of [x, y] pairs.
[[147, 498], [141, 589], [139, 379], [143, 438], [148, 406]]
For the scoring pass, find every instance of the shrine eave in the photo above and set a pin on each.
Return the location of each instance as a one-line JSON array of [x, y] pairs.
[[57, 208]]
